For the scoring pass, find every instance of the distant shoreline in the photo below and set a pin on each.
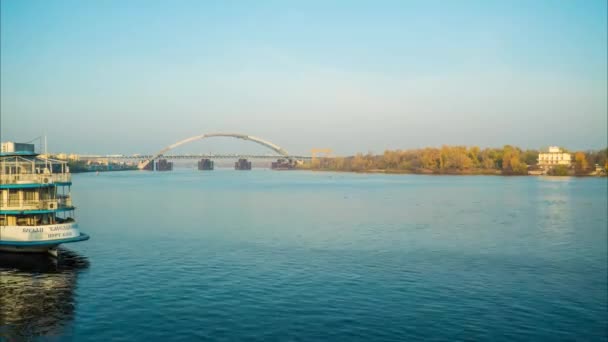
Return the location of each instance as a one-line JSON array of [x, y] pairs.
[[448, 173], [91, 171], [469, 160], [400, 172]]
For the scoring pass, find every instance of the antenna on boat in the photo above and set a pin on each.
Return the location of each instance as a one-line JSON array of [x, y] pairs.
[[39, 142], [46, 156]]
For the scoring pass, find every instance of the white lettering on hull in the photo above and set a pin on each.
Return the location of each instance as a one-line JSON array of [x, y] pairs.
[[39, 233]]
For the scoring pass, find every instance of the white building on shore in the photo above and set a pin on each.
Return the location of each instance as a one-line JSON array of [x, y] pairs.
[[555, 156]]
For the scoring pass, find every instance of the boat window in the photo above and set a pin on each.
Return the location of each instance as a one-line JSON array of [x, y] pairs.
[[29, 196], [13, 197]]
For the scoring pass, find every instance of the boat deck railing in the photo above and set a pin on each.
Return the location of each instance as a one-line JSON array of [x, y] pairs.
[[60, 202], [39, 178]]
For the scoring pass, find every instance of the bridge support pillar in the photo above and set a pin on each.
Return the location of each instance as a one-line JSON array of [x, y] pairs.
[[205, 164], [163, 165], [242, 164]]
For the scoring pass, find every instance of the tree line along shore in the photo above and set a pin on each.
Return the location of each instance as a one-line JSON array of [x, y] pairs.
[[78, 166], [463, 160]]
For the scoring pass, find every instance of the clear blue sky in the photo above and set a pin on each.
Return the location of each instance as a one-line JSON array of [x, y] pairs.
[[133, 76]]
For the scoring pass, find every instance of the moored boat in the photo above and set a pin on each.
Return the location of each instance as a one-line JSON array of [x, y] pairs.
[[36, 210]]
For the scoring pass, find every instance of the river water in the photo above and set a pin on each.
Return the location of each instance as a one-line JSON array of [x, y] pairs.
[[300, 256]]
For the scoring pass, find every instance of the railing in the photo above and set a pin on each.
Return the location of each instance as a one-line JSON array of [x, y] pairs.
[[58, 203], [64, 200], [44, 178]]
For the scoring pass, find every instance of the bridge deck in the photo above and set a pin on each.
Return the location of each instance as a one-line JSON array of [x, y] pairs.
[[191, 156]]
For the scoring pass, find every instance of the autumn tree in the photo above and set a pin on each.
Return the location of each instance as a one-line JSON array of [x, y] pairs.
[[359, 163], [430, 159], [511, 163], [391, 159], [474, 156], [509, 159], [597, 157], [559, 170], [454, 158], [530, 157], [581, 165], [487, 159]]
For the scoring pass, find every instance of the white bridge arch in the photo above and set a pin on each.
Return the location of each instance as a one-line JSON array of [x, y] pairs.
[[260, 141]]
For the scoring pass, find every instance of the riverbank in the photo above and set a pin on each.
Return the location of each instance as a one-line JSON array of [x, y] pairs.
[[81, 167], [106, 170], [476, 172], [464, 160], [409, 172]]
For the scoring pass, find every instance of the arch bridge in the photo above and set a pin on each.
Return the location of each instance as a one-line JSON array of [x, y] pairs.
[[279, 150]]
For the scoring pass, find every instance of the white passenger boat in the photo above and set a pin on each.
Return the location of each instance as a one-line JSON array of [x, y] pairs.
[[36, 210]]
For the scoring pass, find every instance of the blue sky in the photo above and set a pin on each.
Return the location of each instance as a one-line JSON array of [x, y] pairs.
[[134, 76]]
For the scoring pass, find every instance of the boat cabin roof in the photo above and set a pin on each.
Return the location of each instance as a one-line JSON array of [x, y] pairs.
[[31, 163]]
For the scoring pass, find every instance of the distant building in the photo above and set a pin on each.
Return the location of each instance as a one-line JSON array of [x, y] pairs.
[[65, 156], [555, 156], [10, 147]]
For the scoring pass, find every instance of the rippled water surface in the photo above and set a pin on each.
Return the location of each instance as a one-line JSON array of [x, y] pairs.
[[299, 256]]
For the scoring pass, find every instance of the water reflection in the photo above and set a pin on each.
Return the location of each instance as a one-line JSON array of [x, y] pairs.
[[37, 294]]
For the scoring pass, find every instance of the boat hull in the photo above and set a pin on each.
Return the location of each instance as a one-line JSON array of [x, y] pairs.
[[38, 239], [21, 249]]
